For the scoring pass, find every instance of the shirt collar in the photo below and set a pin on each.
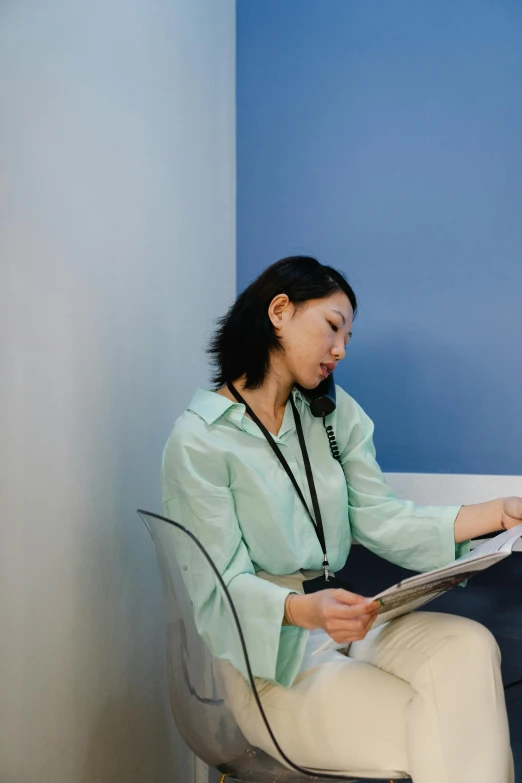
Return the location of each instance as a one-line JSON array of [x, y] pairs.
[[210, 405]]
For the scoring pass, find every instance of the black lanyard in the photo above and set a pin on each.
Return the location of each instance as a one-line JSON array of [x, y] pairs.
[[317, 522]]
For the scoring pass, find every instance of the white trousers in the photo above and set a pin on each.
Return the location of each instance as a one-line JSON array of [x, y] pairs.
[[421, 696]]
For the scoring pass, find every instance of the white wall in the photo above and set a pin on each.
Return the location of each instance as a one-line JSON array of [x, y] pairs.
[[452, 488], [117, 248]]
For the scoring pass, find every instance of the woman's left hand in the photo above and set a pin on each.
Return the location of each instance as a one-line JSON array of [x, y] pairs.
[[511, 512]]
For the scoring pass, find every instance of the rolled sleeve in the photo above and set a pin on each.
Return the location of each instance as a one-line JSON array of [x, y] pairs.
[[417, 537]]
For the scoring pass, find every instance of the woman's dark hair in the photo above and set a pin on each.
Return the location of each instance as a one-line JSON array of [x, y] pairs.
[[246, 337]]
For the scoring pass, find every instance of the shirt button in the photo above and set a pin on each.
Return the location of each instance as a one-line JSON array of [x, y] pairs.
[[185, 568]]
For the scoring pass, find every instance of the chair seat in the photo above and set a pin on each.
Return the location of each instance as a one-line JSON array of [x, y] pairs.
[[256, 766]]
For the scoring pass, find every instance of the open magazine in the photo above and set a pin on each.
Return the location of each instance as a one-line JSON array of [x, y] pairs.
[[417, 590]]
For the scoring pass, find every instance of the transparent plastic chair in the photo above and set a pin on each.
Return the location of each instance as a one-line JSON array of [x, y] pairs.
[[206, 690]]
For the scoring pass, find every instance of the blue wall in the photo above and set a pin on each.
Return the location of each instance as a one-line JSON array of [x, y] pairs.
[[385, 137]]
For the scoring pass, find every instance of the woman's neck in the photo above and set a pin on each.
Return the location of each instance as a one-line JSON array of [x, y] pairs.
[[269, 400]]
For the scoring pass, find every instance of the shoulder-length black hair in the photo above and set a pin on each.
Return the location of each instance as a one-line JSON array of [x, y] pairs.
[[246, 337]]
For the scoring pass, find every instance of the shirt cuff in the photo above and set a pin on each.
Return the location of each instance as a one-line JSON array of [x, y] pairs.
[[275, 651], [450, 550]]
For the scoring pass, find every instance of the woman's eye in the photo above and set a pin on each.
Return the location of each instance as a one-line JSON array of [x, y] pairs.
[[334, 327]]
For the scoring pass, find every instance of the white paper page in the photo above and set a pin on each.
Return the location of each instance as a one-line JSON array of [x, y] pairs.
[[461, 565], [457, 567], [504, 541]]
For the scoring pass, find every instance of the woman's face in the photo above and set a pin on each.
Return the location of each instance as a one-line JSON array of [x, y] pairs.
[[314, 336]]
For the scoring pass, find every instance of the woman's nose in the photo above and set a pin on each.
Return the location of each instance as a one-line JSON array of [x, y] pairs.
[[339, 352]]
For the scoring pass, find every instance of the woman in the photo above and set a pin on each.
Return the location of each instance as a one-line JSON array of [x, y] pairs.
[[421, 694]]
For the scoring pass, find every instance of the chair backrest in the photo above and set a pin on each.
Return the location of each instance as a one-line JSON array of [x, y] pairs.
[[197, 693], [201, 681]]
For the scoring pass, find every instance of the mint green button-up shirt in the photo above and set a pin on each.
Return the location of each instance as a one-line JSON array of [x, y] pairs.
[[222, 481]]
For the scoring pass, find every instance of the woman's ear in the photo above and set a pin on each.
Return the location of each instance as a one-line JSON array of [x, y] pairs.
[[278, 308]]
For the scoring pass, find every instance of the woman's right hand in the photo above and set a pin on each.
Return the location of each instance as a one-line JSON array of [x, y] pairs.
[[345, 616]]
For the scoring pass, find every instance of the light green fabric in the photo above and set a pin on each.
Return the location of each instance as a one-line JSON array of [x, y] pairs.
[[222, 481]]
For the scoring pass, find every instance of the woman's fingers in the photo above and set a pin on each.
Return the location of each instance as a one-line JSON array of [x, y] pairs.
[[350, 631], [347, 614], [346, 611], [353, 599], [362, 621], [327, 608], [351, 622], [346, 597], [344, 615]]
